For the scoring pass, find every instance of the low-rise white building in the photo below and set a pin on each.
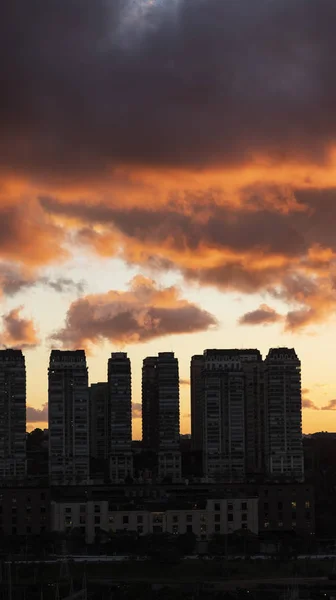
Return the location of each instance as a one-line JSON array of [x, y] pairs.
[[204, 519]]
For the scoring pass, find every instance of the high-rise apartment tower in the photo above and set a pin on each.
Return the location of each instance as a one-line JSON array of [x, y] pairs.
[[12, 414], [120, 416], [68, 417], [284, 452], [161, 412]]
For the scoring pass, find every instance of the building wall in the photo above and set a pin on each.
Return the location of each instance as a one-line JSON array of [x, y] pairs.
[[287, 508], [99, 420], [197, 401], [24, 511], [68, 417], [217, 516], [229, 403], [284, 451], [150, 404], [12, 415]]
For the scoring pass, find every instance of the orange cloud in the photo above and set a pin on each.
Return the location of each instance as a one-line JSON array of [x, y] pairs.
[[143, 313], [18, 332], [264, 315]]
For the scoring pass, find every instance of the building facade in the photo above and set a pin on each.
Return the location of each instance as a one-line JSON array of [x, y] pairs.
[[12, 415], [161, 412], [197, 401], [120, 417], [203, 518], [283, 425], [68, 417], [230, 400], [24, 511], [99, 420]]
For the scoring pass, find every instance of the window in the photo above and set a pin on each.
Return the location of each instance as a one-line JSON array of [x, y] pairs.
[[175, 518], [189, 528], [28, 529], [189, 518], [266, 524], [82, 520], [125, 520], [139, 519], [82, 508], [217, 518], [97, 508], [293, 524], [68, 510], [43, 509], [265, 505], [42, 496], [13, 530], [244, 525], [230, 506], [111, 519], [244, 506], [175, 529], [280, 505], [294, 504], [140, 529], [203, 528], [307, 504], [280, 523], [230, 517], [217, 506], [82, 530], [217, 528], [244, 517]]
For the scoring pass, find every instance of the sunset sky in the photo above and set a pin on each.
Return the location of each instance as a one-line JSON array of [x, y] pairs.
[[168, 183]]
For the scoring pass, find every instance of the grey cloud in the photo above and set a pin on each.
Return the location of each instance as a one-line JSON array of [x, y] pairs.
[[136, 410], [330, 406], [37, 415], [264, 315], [143, 313], [189, 82]]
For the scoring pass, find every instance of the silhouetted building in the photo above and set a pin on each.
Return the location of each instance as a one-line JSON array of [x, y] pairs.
[[161, 412], [99, 420], [284, 452], [120, 416], [12, 414], [231, 400], [197, 401], [68, 417]]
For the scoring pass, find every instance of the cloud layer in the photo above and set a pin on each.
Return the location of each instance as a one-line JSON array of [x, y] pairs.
[[196, 136], [141, 314], [18, 332], [180, 83]]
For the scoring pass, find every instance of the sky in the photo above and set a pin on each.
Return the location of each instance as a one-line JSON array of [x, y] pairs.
[[168, 183]]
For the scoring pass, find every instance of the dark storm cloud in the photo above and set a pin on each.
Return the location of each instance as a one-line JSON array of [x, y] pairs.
[[189, 83], [205, 222]]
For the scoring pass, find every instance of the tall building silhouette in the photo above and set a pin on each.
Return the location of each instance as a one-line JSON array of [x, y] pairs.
[[68, 417], [120, 416], [99, 420], [12, 414], [197, 401], [284, 452], [161, 412], [230, 401]]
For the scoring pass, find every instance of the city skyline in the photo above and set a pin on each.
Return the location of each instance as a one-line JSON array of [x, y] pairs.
[[167, 183]]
